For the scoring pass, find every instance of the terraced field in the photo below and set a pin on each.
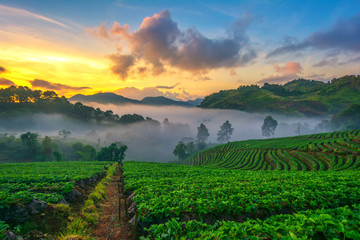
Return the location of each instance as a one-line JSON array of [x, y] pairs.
[[325, 151]]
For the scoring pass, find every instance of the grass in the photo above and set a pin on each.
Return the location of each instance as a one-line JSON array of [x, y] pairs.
[[80, 225]]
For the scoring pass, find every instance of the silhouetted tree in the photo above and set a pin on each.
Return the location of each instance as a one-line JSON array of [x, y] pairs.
[[225, 132], [269, 126], [30, 140], [180, 150], [203, 134], [47, 147], [64, 134]]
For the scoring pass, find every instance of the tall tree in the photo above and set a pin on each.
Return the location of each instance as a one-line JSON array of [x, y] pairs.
[[203, 134], [180, 150], [30, 140], [225, 132], [269, 126], [64, 134], [47, 146]]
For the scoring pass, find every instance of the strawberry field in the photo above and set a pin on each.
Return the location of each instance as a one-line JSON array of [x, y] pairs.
[[185, 202], [26, 189]]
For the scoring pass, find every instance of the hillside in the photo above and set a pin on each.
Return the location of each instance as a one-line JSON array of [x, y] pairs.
[[298, 97], [324, 151], [20, 101]]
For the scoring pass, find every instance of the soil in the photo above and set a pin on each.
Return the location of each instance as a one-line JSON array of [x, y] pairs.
[[109, 226]]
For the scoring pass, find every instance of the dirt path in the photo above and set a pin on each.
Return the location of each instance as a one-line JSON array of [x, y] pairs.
[[109, 226]]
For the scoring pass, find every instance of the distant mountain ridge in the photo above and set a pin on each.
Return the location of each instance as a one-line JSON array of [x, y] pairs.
[[112, 98], [103, 98], [298, 97]]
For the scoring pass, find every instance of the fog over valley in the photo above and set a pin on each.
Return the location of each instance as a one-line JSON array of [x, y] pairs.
[[151, 141]]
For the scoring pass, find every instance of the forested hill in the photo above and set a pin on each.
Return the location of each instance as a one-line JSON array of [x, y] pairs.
[[18, 101], [298, 97]]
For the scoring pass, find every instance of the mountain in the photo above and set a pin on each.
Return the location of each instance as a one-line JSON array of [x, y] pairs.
[[298, 97], [195, 102], [113, 98], [163, 101], [103, 98]]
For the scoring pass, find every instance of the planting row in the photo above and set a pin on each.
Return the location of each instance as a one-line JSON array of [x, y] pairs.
[[20, 183], [165, 191], [327, 151]]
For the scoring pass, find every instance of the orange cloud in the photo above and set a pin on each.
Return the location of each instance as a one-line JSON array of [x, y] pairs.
[[286, 73], [289, 68]]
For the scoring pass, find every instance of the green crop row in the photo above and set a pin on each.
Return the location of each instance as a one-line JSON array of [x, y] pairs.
[[20, 183], [339, 223], [308, 152], [165, 191]]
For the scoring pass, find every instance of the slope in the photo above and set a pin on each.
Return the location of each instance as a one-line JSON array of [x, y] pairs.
[[324, 151]]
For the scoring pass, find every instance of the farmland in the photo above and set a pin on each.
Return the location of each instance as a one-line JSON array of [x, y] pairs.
[[304, 187], [185, 202], [26, 189], [323, 151], [313, 190]]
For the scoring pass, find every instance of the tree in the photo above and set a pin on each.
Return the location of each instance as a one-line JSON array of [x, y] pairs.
[[269, 126], [30, 140], [225, 132], [203, 134], [180, 150], [112, 153], [47, 146], [64, 134]]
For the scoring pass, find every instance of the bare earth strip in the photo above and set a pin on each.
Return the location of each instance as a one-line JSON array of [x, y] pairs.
[[109, 226]]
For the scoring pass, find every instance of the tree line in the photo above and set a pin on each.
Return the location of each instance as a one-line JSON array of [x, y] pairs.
[[30, 147], [22, 99], [187, 147]]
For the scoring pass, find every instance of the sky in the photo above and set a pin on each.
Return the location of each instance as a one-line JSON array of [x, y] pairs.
[[179, 49]]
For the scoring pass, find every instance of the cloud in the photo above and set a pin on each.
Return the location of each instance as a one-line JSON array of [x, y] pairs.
[[343, 36], [167, 87], [313, 76], [352, 60], [325, 62], [6, 82], [4, 10], [122, 64], [277, 79], [286, 73], [54, 86], [159, 42], [233, 72], [320, 77], [289, 68], [135, 93], [2, 69]]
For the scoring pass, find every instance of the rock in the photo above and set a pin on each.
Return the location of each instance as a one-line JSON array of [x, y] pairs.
[[10, 236], [72, 196], [37, 206]]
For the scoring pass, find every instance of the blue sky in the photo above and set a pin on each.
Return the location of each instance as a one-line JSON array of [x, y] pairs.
[[276, 41]]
